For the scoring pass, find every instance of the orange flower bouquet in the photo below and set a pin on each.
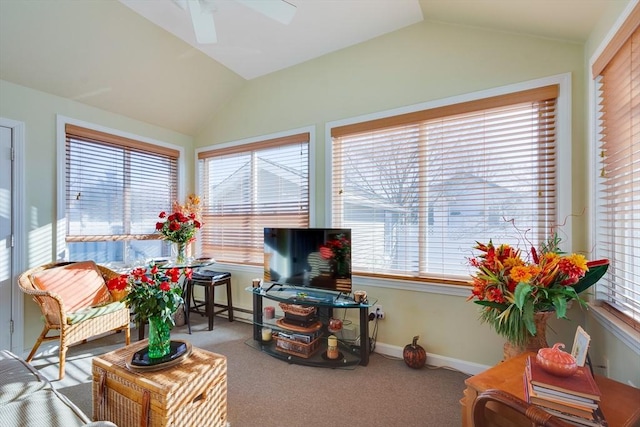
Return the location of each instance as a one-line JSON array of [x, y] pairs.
[[511, 289]]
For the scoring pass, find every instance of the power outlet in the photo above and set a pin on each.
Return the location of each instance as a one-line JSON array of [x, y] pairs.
[[605, 362], [377, 309]]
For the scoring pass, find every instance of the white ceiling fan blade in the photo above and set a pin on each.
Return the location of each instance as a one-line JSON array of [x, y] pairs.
[[203, 24], [278, 10]]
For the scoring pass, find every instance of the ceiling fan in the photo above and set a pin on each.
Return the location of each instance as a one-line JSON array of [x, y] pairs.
[[201, 13]]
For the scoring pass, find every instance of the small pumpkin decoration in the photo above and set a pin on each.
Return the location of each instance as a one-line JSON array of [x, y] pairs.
[[557, 362], [414, 355]]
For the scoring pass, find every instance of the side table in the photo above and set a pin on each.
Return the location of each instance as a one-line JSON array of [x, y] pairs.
[[192, 393], [619, 402]]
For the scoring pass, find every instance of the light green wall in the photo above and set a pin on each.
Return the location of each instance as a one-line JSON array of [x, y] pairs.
[[421, 63], [424, 62], [38, 110]]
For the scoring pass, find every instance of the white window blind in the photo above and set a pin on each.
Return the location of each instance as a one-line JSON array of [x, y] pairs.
[[115, 189], [418, 190], [249, 187], [618, 216]]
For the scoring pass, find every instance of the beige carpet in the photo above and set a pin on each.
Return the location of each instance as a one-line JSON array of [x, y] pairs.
[[265, 392]]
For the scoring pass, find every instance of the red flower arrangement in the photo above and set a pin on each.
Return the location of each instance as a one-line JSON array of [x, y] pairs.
[[118, 287], [181, 226], [152, 291], [511, 289], [337, 248], [119, 283]]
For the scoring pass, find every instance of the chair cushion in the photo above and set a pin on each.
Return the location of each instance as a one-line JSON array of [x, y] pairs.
[[18, 379], [27, 399], [91, 312], [42, 408], [209, 275], [79, 284]]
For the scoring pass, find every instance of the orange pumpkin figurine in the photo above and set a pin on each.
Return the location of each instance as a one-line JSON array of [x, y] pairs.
[[557, 362]]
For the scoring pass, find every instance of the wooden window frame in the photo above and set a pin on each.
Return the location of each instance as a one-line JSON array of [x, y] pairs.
[[222, 233], [615, 292], [493, 97], [109, 137]]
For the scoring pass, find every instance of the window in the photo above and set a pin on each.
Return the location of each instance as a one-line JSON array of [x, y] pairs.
[[617, 73], [419, 189], [115, 189], [245, 188]]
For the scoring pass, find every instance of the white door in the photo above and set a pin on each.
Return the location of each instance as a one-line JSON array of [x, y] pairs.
[[6, 287]]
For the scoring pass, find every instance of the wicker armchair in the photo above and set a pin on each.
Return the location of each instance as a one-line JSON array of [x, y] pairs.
[[535, 415], [75, 323]]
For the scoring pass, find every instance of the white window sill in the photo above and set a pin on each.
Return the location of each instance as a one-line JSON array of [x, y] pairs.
[[618, 328]]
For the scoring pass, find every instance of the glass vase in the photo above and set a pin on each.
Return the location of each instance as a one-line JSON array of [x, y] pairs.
[[159, 337], [180, 253]]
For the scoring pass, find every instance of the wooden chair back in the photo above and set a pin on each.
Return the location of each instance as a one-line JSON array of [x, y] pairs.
[[535, 415]]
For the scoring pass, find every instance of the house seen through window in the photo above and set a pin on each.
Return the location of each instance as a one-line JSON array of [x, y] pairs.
[[115, 189], [248, 187], [419, 190]]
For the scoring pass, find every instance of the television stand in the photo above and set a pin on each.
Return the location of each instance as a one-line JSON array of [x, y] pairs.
[[272, 285], [309, 346]]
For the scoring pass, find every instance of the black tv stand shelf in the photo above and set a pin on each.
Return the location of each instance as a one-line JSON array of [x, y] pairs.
[[351, 352]]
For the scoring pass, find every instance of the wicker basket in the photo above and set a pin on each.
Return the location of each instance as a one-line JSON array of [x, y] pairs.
[[192, 393], [298, 310], [297, 348]]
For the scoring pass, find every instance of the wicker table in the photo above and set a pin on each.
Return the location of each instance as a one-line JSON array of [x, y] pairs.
[[193, 393]]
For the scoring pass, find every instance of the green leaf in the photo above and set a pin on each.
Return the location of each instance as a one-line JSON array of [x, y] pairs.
[[522, 294], [492, 304], [560, 303], [527, 317], [591, 277]]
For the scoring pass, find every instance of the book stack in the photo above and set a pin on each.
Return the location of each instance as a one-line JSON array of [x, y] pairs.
[[575, 399]]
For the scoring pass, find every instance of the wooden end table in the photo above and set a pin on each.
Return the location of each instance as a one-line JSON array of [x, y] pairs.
[[192, 393], [620, 403]]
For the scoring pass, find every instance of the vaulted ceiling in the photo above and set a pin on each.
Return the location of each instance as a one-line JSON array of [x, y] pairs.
[[139, 58]]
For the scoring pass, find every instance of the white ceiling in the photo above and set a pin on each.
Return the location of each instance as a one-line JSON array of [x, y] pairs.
[[104, 54], [253, 45]]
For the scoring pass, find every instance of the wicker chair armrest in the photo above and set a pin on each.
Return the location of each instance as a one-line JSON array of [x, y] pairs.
[[42, 293], [50, 303], [537, 415]]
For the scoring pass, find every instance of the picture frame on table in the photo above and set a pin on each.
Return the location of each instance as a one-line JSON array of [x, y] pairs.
[[580, 346]]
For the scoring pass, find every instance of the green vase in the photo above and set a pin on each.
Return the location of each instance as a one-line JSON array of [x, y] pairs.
[[159, 337], [342, 268]]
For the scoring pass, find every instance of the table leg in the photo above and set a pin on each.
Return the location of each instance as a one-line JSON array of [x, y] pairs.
[[210, 307], [364, 336], [257, 316], [187, 304]]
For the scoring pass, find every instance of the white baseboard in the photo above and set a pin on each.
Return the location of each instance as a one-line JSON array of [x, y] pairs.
[[436, 360]]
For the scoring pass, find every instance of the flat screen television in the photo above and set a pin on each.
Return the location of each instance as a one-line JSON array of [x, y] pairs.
[[308, 257]]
